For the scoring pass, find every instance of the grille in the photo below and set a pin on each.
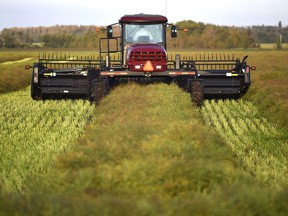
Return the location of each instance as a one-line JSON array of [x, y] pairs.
[[145, 56]]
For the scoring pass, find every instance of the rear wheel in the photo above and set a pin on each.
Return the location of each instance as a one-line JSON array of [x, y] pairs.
[[100, 89], [36, 93], [196, 88]]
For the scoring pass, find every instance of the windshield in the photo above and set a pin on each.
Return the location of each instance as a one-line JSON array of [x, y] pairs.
[[144, 33]]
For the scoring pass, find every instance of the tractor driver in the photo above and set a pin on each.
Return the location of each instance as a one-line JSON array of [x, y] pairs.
[[143, 35]]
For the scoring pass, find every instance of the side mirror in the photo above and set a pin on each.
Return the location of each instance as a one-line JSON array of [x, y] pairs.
[[109, 31], [173, 31]]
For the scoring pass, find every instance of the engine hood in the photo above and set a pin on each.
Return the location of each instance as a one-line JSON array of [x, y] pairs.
[[145, 47]]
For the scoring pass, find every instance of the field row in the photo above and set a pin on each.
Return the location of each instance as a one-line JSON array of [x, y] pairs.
[[34, 133], [259, 146]]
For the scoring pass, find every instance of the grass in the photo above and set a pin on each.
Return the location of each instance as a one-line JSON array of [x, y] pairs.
[[34, 133], [10, 56], [13, 76], [259, 146], [269, 88], [147, 153]]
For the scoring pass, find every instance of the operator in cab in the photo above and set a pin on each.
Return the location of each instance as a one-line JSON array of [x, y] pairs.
[[143, 35]]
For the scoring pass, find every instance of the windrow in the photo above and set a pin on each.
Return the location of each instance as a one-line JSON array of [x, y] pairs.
[[33, 133]]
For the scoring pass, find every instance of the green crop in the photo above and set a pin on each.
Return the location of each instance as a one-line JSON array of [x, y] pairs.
[[148, 153], [259, 146], [146, 150], [33, 133]]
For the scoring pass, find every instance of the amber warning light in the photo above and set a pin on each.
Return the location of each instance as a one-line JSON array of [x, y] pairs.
[[184, 29]]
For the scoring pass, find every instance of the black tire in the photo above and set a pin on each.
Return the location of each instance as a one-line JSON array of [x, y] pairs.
[[196, 90], [99, 91], [91, 77], [36, 93]]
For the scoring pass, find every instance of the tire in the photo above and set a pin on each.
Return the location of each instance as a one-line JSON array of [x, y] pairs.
[[196, 90], [36, 93], [99, 91]]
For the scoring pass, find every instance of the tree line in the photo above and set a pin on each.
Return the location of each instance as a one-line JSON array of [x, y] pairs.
[[198, 36]]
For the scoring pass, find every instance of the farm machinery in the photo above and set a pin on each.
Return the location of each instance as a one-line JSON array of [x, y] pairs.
[[139, 55]]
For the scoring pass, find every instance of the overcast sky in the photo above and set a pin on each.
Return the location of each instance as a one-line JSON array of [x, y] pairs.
[[28, 13]]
